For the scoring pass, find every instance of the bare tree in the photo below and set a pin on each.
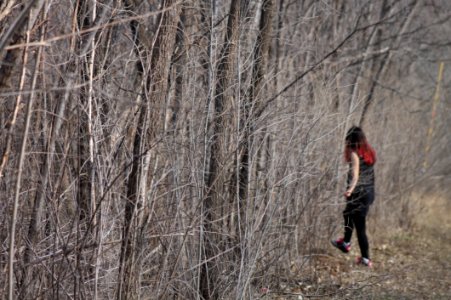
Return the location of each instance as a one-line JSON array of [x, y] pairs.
[[193, 149], [148, 129]]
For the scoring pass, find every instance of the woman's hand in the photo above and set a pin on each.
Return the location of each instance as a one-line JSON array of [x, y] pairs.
[[348, 193]]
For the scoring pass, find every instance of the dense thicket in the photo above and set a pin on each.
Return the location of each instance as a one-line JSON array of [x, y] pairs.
[[193, 149]]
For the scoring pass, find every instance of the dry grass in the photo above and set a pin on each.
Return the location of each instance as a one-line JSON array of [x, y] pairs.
[[408, 264]]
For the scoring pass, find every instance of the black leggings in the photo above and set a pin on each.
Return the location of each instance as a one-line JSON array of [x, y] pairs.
[[355, 217]]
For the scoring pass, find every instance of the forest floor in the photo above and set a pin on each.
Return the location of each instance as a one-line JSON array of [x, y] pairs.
[[408, 264]]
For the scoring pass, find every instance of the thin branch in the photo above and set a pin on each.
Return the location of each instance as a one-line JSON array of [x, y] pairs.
[[16, 25], [94, 28]]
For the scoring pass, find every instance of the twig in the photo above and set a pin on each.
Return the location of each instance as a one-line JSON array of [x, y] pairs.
[[18, 23], [94, 28]]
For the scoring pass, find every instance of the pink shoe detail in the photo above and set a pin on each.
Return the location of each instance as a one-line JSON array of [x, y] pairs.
[[364, 261]]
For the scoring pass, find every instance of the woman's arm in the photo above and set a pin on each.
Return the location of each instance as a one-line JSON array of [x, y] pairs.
[[355, 165]]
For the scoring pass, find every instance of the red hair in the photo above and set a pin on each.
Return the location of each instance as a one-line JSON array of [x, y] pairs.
[[356, 141], [365, 151]]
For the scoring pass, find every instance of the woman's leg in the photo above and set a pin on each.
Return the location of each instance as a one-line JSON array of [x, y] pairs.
[[349, 227], [352, 206], [359, 221]]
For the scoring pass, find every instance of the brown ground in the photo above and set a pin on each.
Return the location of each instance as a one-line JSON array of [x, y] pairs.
[[413, 264]]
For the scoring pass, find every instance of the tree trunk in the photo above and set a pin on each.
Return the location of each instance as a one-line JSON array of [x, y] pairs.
[[208, 274], [386, 58], [248, 120], [148, 127], [253, 103], [36, 215]]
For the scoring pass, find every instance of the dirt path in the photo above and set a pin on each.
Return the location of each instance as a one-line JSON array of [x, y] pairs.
[[407, 265]]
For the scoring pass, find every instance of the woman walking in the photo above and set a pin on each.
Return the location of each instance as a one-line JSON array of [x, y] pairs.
[[359, 194]]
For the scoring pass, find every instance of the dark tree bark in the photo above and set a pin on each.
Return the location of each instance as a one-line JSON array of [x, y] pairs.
[[149, 126], [14, 34], [209, 273], [253, 103]]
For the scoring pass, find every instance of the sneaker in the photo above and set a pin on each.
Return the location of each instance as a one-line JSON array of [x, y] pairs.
[[364, 261], [342, 245]]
